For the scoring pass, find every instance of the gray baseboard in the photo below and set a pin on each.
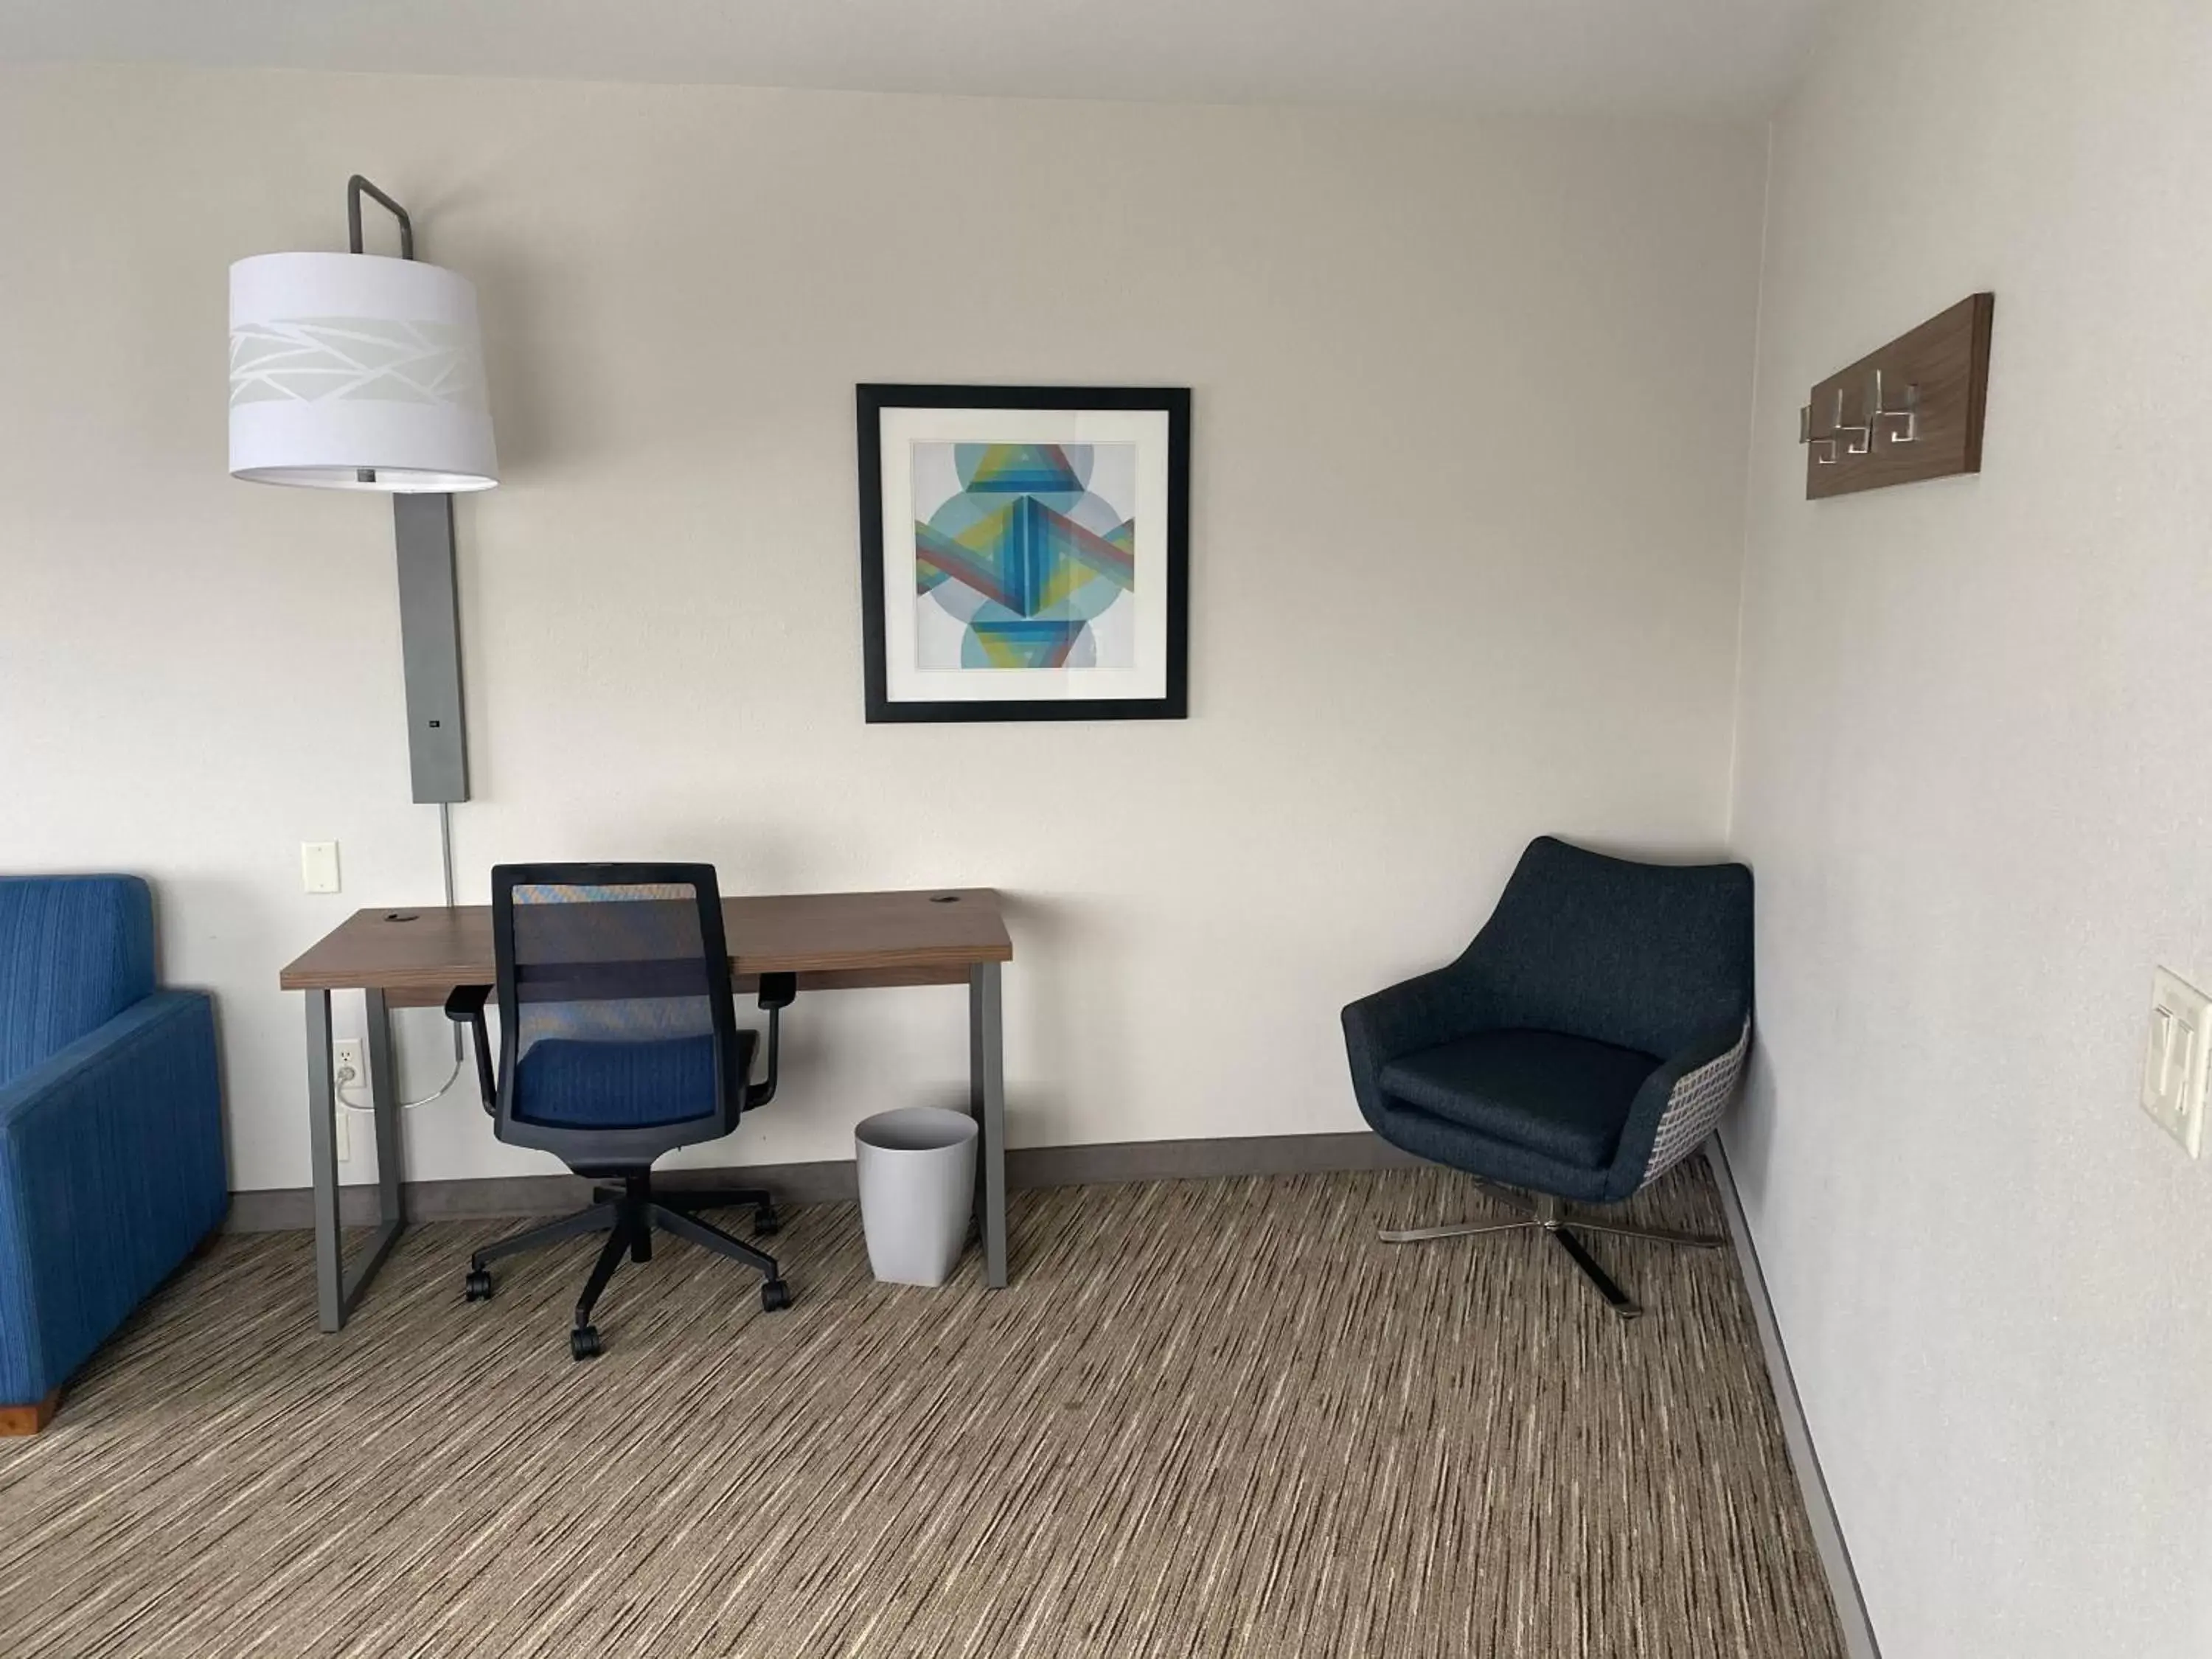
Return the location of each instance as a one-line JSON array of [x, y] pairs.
[[1804, 1458], [830, 1180], [1201, 1160]]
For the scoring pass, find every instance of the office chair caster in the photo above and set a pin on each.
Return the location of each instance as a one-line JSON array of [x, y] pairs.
[[766, 1222], [479, 1285], [774, 1294], [584, 1342]]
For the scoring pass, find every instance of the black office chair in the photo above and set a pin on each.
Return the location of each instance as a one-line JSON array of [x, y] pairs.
[[618, 1042], [1587, 1042]]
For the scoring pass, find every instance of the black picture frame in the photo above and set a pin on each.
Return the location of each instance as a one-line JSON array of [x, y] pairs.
[[872, 399]]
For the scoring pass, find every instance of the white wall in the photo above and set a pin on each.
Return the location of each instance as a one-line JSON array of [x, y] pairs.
[[1464, 549], [1975, 779]]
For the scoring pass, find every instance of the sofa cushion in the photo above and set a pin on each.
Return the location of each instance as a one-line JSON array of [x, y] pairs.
[[1564, 1097], [75, 951]]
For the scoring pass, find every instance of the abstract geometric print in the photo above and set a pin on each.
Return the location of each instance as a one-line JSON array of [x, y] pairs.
[[1025, 555], [311, 358]]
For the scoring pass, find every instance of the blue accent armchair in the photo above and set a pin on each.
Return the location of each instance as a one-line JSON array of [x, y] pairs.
[[1587, 1041], [111, 1166]]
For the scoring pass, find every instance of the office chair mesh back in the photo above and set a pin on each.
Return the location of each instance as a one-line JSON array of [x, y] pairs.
[[613, 1014]]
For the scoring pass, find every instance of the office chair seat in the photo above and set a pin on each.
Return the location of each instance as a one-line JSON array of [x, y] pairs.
[[609, 1086], [1565, 1098]]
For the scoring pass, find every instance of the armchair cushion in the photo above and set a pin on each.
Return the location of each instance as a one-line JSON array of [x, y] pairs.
[[1564, 1097]]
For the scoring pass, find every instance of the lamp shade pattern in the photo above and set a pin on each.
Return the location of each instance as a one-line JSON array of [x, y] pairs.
[[349, 371]]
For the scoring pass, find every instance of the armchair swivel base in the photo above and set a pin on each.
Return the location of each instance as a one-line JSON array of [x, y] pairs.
[[629, 1214], [1541, 1212]]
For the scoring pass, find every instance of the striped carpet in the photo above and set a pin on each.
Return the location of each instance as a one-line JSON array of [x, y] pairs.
[[1212, 1417]]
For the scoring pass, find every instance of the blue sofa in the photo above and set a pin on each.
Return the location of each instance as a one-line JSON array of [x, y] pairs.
[[111, 1164]]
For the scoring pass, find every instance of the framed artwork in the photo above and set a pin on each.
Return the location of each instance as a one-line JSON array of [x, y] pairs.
[[1024, 552]]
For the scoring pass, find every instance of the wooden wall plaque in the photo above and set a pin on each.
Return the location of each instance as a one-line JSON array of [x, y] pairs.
[[1911, 410]]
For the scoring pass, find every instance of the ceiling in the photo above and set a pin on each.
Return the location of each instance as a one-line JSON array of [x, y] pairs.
[[1715, 58]]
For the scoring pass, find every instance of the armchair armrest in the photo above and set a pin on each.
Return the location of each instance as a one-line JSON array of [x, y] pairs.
[[1417, 1013], [464, 1006], [111, 1168], [1679, 1106]]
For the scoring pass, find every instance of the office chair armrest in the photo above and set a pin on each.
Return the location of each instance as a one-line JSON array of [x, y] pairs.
[[777, 993], [464, 1006], [1679, 1106]]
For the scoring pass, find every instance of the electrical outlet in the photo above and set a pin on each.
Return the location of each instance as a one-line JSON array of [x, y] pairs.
[[319, 866], [2176, 1062], [350, 1070]]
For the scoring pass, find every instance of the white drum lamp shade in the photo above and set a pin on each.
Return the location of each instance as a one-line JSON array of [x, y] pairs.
[[349, 371]]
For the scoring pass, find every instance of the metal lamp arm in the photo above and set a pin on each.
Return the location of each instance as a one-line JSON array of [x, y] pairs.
[[357, 187]]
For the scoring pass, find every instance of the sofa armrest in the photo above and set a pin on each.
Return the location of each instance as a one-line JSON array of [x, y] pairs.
[[111, 1169], [1679, 1106]]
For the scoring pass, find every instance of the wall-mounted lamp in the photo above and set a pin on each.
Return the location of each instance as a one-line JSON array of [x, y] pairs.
[[349, 371], [352, 372]]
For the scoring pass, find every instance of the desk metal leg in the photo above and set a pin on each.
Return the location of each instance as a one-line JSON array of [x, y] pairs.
[[335, 1290], [323, 1158], [391, 1170], [986, 1099]]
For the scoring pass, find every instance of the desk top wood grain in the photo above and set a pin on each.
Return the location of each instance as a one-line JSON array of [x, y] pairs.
[[831, 940]]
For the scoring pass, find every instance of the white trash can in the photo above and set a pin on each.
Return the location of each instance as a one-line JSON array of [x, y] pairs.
[[917, 1168]]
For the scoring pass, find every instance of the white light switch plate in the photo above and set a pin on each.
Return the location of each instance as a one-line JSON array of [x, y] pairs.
[[319, 866], [2175, 1059]]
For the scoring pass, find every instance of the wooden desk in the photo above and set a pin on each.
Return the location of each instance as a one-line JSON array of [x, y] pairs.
[[411, 957]]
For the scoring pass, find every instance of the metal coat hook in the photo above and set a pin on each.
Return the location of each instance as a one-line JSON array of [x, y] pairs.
[[1805, 436], [1863, 442], [1862, 437], [1909, 413]]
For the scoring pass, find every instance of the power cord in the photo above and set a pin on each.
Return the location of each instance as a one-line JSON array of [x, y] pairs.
[[346, 1074]]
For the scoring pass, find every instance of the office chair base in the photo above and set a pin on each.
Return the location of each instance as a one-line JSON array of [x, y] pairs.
[[1543, 1213], [629, 1214], [766, 1222]]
